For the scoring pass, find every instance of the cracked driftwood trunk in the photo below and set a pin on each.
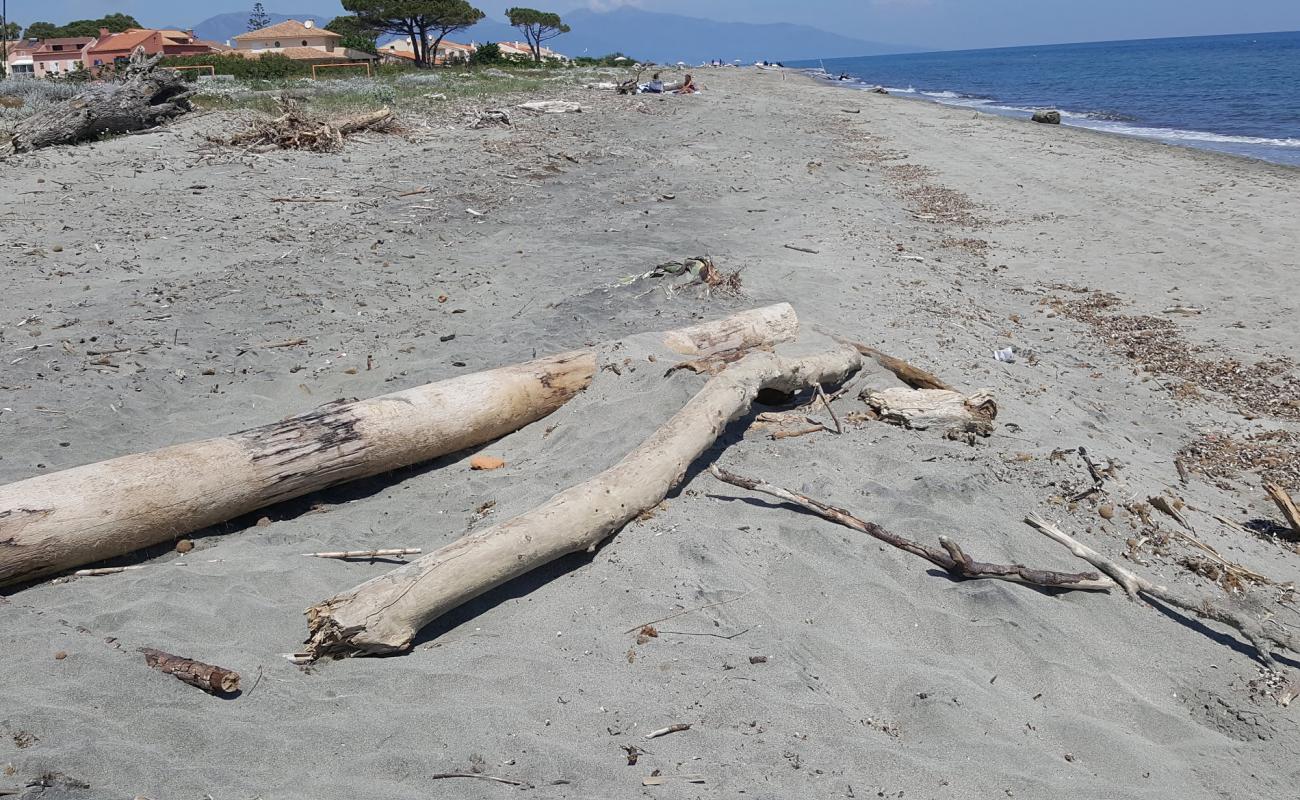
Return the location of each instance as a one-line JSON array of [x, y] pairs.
[[383, 615], [148, 97], [78, 516]]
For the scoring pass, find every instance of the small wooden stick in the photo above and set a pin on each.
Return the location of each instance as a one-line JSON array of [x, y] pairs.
[[826, 401], [1262, 638], [493, 778], [92, 573], [798, 432], [214, 680], [678, 728], [951, 558], [343, 554], [1286, 504]]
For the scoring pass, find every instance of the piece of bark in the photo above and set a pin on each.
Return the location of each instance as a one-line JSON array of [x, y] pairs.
[[1264, 637], [209, 678], [920, 409], [86, 514], [384, 614], [1285, 504], [147, 97], [909, 374], [951, 558]]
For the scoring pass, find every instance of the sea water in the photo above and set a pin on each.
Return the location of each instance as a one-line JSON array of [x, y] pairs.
[[1237, 94]]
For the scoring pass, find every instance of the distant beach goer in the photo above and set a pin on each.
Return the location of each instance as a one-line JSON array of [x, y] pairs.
[[655, 86], [688, 86]]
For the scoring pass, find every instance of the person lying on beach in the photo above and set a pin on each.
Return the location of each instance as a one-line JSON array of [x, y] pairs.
[[688, 86]]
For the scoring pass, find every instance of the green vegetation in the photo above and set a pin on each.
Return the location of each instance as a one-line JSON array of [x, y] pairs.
[[537, 27], [418, 20], [270, 66], [356, 34], [116, 23], [259, 19]]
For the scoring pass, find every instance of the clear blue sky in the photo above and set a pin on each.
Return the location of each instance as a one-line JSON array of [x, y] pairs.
[[924, 23]]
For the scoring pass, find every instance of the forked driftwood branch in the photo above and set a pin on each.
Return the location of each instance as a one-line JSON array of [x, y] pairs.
[[1262, 636], [384, 614], [78, 516], [950, 556]]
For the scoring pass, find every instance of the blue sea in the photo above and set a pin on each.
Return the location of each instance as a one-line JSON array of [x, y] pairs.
[[1237, 94]]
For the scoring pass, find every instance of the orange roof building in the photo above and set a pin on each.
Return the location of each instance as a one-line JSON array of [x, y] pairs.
[[114, 48], [301, 41]]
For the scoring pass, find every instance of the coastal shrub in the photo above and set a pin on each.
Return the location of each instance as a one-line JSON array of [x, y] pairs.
[[270, 66], [487, 53], [37, 90]]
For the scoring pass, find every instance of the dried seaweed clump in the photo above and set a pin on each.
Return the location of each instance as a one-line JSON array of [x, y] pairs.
[[1275, 455], [1264, 388]]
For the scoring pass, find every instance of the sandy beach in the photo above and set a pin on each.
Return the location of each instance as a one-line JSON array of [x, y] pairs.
[[1146, 292]]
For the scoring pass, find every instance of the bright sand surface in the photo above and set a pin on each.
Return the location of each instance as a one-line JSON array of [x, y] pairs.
[[941, 237]]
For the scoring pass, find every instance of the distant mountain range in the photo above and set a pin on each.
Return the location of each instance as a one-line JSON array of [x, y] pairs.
[[664, 38]]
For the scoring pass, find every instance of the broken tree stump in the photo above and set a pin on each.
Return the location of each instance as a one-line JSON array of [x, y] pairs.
[[209, 678], [78, 516], [384, 614], [147, 97]]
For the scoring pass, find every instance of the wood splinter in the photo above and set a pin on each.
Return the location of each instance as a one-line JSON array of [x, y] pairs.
[[1285, 504], [209, 678], [368, 554], [951, 558], [678, 728]]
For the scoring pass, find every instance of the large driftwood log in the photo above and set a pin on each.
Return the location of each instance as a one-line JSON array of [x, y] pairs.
[[146, 98], [384, 614], [78, 516]]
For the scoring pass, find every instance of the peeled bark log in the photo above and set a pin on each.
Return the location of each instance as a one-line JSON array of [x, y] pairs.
[[148, 97], [86, 514], [927, 408], [383, 615], [214, 680]]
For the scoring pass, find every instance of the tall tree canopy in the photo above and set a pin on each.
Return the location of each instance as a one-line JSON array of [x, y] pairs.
[[116, 23], [259, 19], [417, 20], [537, 27], [356, 34]]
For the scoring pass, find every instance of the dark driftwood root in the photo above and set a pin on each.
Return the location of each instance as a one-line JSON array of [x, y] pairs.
[[146, 98], [951, 558], [214, 680]]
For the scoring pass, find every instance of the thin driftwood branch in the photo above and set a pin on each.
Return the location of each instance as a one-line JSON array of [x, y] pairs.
[[950, 557], [86, 514], [1263, 636], [909, 374], [211, 679], [384, 614]]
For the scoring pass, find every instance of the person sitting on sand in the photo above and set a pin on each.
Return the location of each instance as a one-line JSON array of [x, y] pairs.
[[688, 86], [655, 86]]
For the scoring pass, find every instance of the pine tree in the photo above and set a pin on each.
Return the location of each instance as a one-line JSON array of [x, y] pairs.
[[259, 18]]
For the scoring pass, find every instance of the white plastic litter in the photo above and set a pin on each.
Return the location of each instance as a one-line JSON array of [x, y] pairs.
[[1006, 355]]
